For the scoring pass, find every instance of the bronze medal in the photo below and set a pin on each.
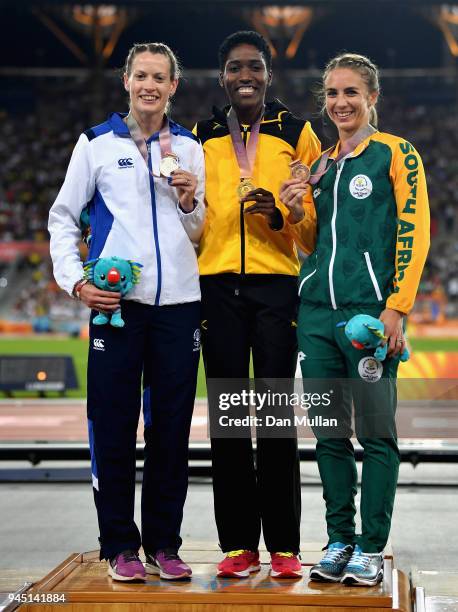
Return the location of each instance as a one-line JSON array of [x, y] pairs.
[[244, 187], [299, 171], [169, 163]]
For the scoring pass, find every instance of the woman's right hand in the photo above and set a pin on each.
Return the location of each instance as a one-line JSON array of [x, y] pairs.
[[103, 301], [292, 194]]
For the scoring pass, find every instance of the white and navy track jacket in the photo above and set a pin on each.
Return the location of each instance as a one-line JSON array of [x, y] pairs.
[[133, 215]]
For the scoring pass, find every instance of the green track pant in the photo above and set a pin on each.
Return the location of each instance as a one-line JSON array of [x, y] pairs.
[[326, 353]]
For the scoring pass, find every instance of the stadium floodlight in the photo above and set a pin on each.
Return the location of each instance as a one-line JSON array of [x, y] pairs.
[[447, 21], [84, 14], [283, 23], [103, 24]]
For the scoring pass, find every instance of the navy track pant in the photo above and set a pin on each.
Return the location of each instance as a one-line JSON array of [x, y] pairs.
[[162, 343]]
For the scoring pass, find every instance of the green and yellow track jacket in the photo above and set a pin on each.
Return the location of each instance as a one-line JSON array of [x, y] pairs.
[[372, 234]]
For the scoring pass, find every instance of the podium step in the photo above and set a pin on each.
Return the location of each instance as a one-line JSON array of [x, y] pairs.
[[83, 583]]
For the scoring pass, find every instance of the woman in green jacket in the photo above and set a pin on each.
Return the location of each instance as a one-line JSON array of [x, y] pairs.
[[367, 204]]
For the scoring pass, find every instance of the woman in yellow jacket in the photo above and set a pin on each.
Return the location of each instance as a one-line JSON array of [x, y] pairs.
[[248, 265]]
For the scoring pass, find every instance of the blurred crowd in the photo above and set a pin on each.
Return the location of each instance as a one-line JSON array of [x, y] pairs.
[[434, 132], [36, 141], [40, 300]]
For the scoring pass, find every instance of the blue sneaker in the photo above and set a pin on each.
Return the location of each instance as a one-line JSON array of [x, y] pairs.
[[363, 569], [332, 565]]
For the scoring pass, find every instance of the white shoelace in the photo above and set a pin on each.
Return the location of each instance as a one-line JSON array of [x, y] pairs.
[[332, 556]]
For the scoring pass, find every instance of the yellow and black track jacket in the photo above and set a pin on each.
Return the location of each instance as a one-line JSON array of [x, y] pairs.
[[245, 244]]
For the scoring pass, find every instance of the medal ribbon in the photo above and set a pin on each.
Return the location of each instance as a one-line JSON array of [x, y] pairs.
[[137, 137], [245, 155], [165, 141], [345, 150]]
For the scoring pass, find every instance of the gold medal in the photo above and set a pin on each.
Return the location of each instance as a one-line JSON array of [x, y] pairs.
[[300, 171], [244, 187], [169, 163]]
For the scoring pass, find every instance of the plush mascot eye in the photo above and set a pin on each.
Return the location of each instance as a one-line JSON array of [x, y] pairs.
[[123, 278], [102, 277]]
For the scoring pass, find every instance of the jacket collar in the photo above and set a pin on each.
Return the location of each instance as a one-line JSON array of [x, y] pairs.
[[274, 112], [359, 149], [119, 127]]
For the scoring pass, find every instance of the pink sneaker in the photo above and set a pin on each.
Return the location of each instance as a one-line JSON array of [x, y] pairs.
[[126, 566], [285, 565], [239, 564], [168, 565]]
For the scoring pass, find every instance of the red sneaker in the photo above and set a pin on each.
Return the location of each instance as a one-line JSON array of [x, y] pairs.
[[285, 565], [239, 564]]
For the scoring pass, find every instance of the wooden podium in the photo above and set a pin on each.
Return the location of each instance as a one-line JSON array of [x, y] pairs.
[[84, 581]]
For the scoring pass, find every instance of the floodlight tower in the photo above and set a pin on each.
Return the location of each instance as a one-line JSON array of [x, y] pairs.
[[102, 25], [446, 18]]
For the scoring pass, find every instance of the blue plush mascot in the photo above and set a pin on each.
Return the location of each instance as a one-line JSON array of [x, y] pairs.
[[112, 274], [366, 332]]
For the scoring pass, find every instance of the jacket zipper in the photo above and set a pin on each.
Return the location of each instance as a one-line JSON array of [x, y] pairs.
[[370, 269], [155, 229], [334, 237], [242, 217]]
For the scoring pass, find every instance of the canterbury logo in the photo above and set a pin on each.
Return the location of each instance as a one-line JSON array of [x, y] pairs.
[[125, 162], [99, 344]]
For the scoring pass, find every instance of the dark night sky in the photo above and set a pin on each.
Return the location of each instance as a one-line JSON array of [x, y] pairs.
[[393, 36]]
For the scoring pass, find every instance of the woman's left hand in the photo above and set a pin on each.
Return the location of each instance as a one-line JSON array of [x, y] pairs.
[[185, 184], [392, 320]]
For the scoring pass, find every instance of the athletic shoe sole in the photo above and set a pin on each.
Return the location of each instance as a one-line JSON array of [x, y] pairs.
[[286, 574], [242, 574], [116, 576], [354, 580], [152, 569], [318, 577]]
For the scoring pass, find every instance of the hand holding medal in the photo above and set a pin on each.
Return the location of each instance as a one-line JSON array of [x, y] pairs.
[[169, 163], [293, 190], [292, 193], [264, 202]]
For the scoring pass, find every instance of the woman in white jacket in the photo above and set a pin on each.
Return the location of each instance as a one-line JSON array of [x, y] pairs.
[[141, 178]]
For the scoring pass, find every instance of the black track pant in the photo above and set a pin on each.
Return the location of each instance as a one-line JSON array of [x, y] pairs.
[[240, 314]]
